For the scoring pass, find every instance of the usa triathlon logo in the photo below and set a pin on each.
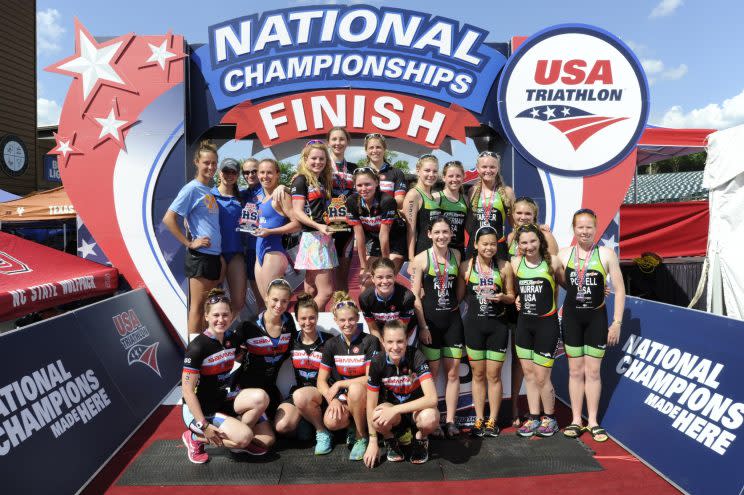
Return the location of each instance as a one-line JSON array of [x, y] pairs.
[[573, 100], [132, 333]]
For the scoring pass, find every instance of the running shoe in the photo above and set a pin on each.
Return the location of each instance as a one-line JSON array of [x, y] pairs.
[[252, 449], [420, 451], [394, 452], [491, 429], [194, 449], [528, 428], [350, 436], [548, 427], [405, 437], [477, 429], [323, 442], [358, 450]]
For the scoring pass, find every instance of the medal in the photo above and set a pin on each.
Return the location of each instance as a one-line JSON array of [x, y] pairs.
[[581, 295], [484, 290], [442, 279], [486, 206]]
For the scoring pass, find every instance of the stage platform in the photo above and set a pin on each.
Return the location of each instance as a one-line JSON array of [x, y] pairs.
[[155, 457]]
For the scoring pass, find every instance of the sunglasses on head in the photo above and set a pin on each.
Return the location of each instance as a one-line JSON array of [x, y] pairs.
[[529, 227], [525, 199], [343, 304], [427, 156], [315, 141], [585, 211], [218, 299], [364, 170], [279, 282], [374, 135], [492, 154], [453, 163]]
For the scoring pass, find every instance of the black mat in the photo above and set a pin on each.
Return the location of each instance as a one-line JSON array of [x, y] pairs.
[[165, 463]]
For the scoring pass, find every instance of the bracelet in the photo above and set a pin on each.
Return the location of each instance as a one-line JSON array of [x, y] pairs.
[[619, 322], [373, 435]]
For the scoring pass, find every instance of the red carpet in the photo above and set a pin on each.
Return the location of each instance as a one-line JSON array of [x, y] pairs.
[[623, 473]]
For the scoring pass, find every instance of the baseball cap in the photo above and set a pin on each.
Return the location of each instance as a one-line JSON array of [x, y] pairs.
[[230, 163]]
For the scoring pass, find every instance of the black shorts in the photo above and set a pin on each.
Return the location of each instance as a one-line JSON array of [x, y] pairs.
[[486, 338], [398, 245], [446, 336], [202, 265], [343, 242], [537, 338], [584, 331]]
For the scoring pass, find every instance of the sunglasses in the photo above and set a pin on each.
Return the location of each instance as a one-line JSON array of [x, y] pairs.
[[374, 135], [585, 211], [453, 163], [525, 199], [343, 304], [279, 282], [315, 141], [218, 299], [492, 154], [364, 170], [250, 172], [529, 227], [427, 156]]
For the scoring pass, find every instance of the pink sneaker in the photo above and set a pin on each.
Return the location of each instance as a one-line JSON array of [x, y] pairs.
[[194, 449]]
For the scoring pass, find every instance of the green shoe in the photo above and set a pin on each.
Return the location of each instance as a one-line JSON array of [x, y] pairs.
[[323, 443], [358, 450], [350, 436]]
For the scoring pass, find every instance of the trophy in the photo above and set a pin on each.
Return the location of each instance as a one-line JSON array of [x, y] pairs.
[[248, 219], [335, 215]]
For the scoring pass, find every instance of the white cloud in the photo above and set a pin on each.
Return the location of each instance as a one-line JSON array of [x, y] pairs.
[[665, 8], [655, 70], [638, 48], [712, 116], [48, 31], [47, 112]]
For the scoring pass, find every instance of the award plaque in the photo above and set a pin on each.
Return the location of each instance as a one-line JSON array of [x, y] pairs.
[[334, 213], [248, 219]]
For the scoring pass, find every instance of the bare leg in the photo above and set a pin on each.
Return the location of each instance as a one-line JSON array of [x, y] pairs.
[[426, 421], [237, 283], [479, 387], [533, 390], [287, 418], [386, 430], [545, 386], [199, 287], [358, 407], [263, 434], [576, 387], [308, 401], [452, 390], [593, 388], [274, 266], [250, 404], [495, 388], [323, 281]]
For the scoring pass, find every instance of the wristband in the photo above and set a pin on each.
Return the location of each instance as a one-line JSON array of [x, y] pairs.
[[373, 435]]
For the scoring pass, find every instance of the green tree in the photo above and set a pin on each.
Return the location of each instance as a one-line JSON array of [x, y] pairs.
[[686, 163], [286, 172]]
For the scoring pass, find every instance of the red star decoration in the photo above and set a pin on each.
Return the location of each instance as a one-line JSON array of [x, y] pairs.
[[111, 126], [94, 64], [164, 54], [65, 148]]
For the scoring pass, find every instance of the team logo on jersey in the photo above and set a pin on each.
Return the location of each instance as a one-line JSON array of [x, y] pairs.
[[132, 336], [573, 99]]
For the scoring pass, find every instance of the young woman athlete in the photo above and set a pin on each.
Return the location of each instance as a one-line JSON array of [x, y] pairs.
[[439, 324], [420, 206], [374, 218], [275, 220], [586, 333], [343, 374], [387, 301], [305, 401], [266, 345], [212, 414], [453, 204], [487, 285], [392, 180], [400, 389], [311, 191], [338, 140], [537, 274], [196, 204]]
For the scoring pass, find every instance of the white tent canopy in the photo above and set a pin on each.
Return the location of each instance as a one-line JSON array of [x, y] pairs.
[[724, 178]]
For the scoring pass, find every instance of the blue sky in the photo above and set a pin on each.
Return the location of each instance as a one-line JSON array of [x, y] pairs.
[[689, 48]]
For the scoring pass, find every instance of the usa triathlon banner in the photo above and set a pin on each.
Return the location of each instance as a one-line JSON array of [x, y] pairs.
[[75, 387], [672, 386]]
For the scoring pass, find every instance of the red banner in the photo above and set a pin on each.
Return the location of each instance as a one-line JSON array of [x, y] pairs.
[[308, 114], [667, 229]]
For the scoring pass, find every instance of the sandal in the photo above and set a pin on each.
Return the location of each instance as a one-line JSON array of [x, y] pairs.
[[517, 421], [598, 434], [573, 431]]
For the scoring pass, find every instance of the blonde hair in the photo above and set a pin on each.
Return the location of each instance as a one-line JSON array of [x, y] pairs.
[[342, 300], [531, 203], [498, 183], [325, 180]]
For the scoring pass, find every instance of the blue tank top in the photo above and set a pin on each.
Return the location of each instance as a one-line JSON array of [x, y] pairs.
[[268, 218], [230, 211]]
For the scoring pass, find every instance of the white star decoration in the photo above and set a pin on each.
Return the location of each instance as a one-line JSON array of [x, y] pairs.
[[86, 249], [64, 148], [566, 111], [610, 243], [20, 210], [534, 112], [549, 112], [93, 64], [112, 126], [160, 53]]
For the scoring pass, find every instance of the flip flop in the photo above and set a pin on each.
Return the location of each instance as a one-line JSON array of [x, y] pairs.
[[516, 422], [573, 431], [598, 434]]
